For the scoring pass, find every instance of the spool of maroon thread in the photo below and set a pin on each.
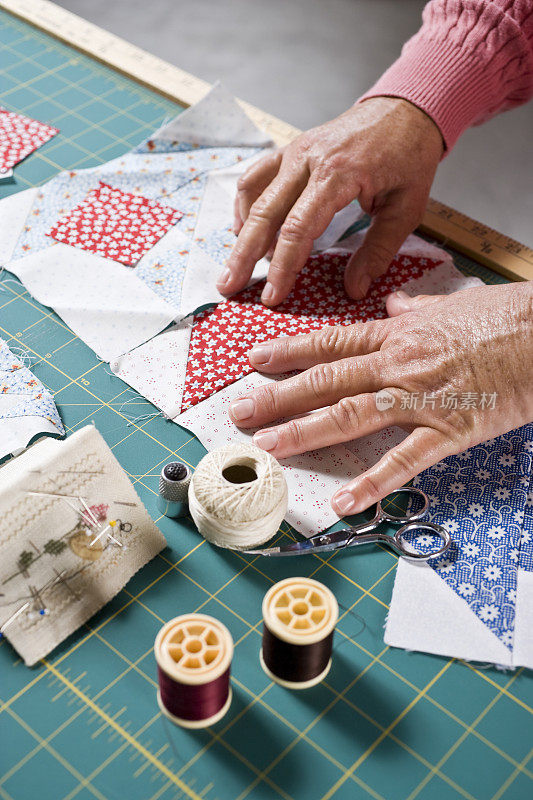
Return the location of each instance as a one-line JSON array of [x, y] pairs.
[[299, 618], [193, 654]]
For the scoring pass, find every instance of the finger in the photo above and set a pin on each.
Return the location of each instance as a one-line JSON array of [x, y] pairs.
[[237, 220], [386, 234], [326, 345], [307, 220], [317, 387], [348, 419], [421, 449], [265, 218], [253, 183], [400, 302]]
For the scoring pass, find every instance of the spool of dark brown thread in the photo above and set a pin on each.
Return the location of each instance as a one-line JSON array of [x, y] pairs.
[[299, 618]]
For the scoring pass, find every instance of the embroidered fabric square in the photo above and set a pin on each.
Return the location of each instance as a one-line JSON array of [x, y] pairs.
[[20, 136], [222, 336], [115, 224], [67, 549], [27, 408]]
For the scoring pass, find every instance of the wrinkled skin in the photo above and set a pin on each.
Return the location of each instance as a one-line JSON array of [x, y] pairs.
[[383, 151], [476, 340]]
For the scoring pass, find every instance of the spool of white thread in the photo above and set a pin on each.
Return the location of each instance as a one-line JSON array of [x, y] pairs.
[[238, 496]]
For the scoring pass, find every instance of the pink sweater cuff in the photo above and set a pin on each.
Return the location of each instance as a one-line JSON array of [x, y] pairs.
[[459, 80]]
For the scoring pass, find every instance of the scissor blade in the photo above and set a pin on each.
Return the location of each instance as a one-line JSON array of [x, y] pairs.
[[298, 548], [316, 544]]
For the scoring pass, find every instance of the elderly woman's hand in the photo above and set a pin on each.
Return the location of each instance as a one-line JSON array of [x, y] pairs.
[[469, 356], [383, 151]]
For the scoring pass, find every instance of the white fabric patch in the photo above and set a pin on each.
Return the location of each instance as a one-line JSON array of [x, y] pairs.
[[13, 214], [156, 369], [312, 478], [103, 302], [217, 120], [523, 638], [17, 432], [427, 615]]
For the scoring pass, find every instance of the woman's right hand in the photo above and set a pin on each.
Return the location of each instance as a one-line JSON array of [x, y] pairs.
[[383, 152]]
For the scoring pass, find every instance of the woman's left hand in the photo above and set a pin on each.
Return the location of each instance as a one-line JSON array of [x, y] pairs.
[[475, 346]]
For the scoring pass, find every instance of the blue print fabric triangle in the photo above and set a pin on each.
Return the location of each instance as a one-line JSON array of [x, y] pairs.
[[22, 395], [482, 497]]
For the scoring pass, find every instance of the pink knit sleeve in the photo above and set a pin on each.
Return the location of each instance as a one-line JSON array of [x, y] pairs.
[[470, 60]]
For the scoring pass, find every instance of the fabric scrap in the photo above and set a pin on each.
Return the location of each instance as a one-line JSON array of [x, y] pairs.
[[115, 224], [27, 408], [102, 301], [215, 120], [481, 497], [20, 136], [222, 336]]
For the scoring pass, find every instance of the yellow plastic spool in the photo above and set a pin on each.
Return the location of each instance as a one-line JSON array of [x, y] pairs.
[[193, 650]]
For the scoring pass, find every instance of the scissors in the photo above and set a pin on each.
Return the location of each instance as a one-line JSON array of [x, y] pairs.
[[360, 534]]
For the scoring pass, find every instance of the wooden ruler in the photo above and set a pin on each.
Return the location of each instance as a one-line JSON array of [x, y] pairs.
[[488, 247]]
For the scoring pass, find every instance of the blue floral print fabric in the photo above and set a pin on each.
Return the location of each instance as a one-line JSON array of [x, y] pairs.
[[482, 497], [31, 397]]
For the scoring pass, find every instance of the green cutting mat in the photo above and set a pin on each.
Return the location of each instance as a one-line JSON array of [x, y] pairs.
[[85, 724]]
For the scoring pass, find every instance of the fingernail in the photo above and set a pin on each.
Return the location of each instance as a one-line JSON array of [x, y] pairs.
[[242, 409], [344, 502], [364, 284], [268, 293], [260, 354], [266, 440], [401, 295], [223, 277]]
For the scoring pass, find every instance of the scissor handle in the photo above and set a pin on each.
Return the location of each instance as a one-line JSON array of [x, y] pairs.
[[431, 527], [411, 516]]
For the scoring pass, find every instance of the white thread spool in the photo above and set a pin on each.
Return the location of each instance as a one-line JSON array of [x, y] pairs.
[[238, 496]]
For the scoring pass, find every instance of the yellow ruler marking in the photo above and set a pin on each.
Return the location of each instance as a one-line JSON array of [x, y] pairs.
[[483, 244], [123, 732], [491, 248]]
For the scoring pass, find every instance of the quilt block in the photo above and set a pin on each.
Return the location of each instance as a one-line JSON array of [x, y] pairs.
[[222, 336], [115, 224]]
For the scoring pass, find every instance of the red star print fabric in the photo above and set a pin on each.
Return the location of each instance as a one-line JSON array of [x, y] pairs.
[[20, 136], [115, 224], [222, 336]]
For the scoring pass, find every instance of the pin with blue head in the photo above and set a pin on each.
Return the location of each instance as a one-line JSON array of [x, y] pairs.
[[174, 490]]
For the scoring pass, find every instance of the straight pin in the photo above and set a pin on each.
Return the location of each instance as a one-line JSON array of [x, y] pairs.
[[13, 617]]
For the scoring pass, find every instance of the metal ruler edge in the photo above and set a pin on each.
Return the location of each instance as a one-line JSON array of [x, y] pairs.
[[487, 246]]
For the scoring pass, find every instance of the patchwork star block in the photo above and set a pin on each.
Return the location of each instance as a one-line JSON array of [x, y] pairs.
[[20, 136], [115, 224], [222, 336]]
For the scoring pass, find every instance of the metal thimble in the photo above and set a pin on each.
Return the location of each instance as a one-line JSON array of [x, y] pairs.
[[174, 489]]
